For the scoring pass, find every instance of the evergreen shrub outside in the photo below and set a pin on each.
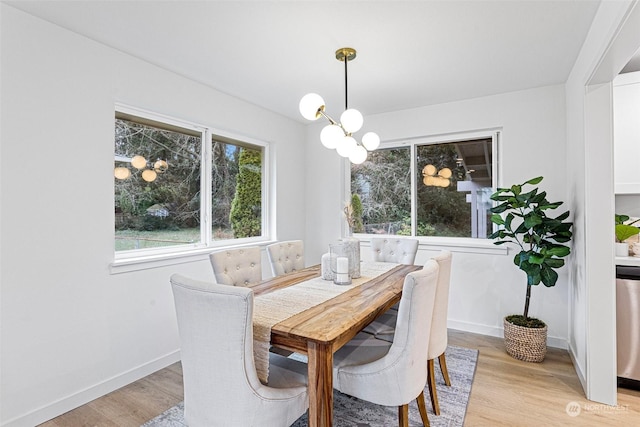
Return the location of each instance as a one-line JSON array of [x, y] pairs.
[[246, 208]]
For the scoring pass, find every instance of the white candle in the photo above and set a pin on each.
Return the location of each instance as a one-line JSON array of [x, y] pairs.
[[342, 265], [342, 278]]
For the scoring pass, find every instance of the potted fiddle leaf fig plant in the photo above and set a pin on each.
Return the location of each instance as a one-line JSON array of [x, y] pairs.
[[523, 217]]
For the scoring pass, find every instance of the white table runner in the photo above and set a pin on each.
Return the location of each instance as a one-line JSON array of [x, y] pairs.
[[274, 307]]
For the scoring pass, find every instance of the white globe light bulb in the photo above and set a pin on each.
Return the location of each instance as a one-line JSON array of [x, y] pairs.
[[138, 162], [346, 146], [149, 175], [358, 155], [309, 106], [160, 166], [121, 172], [351, 120], [371, 141], [445, 173], [429, 170], [331, 135]]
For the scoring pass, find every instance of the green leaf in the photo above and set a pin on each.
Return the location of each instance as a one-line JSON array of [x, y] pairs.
[[520, 258], [500, 208], [497, 219], [548, 276], [532, 219], [508, 220], [539, 198], [549, 205], [558, 250], [499, 195], [623, 232], [534, 181], [621, 219], [554, 262], [501, 242], [533, 273], [535, 258]]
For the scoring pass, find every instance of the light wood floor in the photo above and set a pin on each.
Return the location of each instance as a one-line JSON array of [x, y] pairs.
[[505, 392]]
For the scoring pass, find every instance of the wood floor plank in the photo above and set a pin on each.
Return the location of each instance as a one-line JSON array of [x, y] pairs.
[[505, 393], [508, 392]]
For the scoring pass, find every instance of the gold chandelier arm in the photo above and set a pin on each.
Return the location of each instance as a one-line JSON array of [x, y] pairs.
[[333, 122], [328, 117]]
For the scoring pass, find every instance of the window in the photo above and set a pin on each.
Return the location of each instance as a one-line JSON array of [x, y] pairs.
[[428, 187], [169, 197]]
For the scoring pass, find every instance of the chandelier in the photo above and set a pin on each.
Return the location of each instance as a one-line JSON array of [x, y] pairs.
[[149, 171], [433, 177], [339, 135]]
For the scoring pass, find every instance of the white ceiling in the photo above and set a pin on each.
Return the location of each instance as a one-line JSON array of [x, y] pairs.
[[410, 53]]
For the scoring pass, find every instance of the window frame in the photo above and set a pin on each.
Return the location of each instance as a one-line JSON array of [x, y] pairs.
[[457, 244], [136, 259]]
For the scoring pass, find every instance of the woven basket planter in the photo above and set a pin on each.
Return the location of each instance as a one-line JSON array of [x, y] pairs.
[[527, 344]]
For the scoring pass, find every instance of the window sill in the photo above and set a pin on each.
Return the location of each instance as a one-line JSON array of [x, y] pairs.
[[453, 244], [144, 262]]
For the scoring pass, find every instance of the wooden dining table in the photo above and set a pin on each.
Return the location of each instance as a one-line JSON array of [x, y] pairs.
[[322, 329]]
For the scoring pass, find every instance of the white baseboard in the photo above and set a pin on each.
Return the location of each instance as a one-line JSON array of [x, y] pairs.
[[494, 331], [578, 368], [65, 404]]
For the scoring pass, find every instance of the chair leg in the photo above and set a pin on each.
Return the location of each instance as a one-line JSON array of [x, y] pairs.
[[443, 368], [403, 415], [422, 407], [431, 380]]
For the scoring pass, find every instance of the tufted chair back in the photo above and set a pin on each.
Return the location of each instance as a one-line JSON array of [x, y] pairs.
[[221, 386], [394, 249], [237, 267], [286, 257]]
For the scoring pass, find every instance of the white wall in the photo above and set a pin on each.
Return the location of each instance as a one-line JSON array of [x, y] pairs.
[[628, 204], [70, 330], [485, 287]]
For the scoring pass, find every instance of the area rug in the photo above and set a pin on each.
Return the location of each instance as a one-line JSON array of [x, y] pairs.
[[352, 412]]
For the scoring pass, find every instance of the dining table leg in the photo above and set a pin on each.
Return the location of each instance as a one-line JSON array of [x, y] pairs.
[[320, 368]]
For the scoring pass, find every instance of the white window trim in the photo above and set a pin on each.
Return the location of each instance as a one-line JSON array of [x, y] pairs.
[[140, 259], [454, 244]]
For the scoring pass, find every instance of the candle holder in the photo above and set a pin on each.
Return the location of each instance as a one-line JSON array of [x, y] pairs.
[[339, 260], [327, 273], [352, 246]]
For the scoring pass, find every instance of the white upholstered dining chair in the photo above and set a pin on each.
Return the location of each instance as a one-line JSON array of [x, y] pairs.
[[286, 257], [221, 386], [391, 249], [237, 267], [393, 373], [386, 325], [394, 249]]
